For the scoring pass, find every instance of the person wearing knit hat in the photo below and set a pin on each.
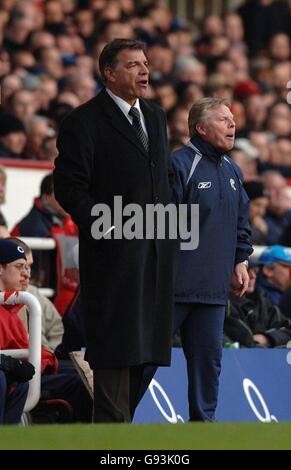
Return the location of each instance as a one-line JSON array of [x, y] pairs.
[[257, 209], [12, 136], [13, 269], [13, 266]]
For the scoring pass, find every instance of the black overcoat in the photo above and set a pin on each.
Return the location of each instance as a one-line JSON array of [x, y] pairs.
[[127, 285]]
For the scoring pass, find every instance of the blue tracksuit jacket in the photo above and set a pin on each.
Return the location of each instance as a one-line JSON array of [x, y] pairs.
[[207, 177]]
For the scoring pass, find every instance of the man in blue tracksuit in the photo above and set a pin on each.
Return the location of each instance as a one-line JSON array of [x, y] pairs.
[[205, 175]]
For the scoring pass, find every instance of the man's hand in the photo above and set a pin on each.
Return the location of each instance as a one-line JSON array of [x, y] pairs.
[[261, 339], [240, 280]]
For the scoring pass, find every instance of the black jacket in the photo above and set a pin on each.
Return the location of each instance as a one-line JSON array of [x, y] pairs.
[[126, 285], [253, 314]]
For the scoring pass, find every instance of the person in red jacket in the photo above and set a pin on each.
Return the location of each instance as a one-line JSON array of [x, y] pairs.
[[14, 271], [14, 374]]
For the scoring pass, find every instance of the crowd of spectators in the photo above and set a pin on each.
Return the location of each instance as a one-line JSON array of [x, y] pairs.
[[49, 65]]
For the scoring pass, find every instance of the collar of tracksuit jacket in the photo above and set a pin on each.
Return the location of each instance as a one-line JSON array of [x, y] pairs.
[[206, 149]]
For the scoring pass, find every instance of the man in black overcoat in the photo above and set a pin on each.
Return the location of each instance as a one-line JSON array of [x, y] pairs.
[[108, 150]]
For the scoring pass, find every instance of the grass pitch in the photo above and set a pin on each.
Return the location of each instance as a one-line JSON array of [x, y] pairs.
[[202, 436]]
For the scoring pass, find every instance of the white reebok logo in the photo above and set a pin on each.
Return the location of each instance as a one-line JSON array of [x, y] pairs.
[[204, 185], [232, 184]]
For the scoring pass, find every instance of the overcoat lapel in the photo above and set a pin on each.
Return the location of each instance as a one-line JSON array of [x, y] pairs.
[[152, 126], [119, 121]]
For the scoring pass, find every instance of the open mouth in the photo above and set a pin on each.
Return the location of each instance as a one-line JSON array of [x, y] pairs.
[[143, 82]]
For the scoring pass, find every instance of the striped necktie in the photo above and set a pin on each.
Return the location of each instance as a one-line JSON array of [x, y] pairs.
[[136, 124]]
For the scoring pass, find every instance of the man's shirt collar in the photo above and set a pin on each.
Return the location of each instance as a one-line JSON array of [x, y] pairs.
[[122, 104]]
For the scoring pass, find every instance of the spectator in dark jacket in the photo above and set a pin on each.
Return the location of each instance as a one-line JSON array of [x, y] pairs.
[[255, 320], [45, 216], [274, 275], [285, 303]]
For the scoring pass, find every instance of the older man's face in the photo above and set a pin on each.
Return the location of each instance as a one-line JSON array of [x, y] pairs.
[[219, 129]]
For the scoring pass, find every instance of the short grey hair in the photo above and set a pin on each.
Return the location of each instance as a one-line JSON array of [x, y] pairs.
[[200, 111], [185, 64]]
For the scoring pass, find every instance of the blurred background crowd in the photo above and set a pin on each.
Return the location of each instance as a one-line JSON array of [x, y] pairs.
[[49, 65]]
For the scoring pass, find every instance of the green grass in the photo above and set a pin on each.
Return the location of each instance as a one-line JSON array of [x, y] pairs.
[[160, 436]]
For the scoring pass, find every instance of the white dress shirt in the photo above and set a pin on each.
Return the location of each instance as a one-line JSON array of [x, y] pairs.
[[125, 108]]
